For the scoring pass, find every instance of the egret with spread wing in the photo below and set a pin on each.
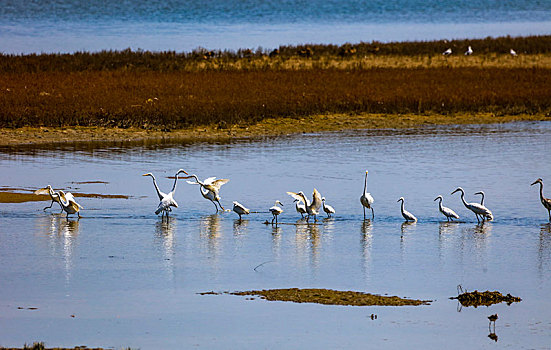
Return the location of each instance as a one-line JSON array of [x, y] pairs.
[[545, 201], [312, 208], [366, 199], [166, 199], [54, 196], [210, 189], [448, 213], [477, 209], [406, 214], [69, 204]]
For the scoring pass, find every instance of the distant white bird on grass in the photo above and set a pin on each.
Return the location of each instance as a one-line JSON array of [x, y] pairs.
[[300, 207], [447, 52], [366, 199], [210, 189], [448, 213], [477, 209], [54, 196], [469, 51], [329, 210], [312, 208], [546, 202], [513, 52], [240, 209], [276, 210], [166, 199], [406, 214]]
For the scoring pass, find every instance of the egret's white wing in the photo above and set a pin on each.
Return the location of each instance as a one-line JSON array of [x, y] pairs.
[[209, 180], [218, 183], [44, 190], [296, 196], [316, 199]]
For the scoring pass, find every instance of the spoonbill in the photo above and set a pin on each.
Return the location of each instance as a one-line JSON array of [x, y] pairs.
[[366, 199], [240, 209], [448, 213], [210, 189], [545, 201], [300, 207], [477, 209], [166, 200], [312, 208], [276, 210], [406, 214], [327, 208]]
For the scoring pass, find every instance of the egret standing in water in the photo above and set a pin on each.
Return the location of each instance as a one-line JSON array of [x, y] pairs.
[[327, 208], [240, 209], [477, 209], [300, 207], [406, 214], [487, 216], [366, 199], [210, 189], [448, 213], [69, 204], [312, 208], [276, 210], [166, 200], [545, 201], [54, 196]]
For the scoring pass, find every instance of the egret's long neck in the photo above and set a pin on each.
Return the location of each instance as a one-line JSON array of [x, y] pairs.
[[402, 206], [482, 200], [156, 187], [440, 204], [306, 201], [365, 184], [463, 199], [175, 182], [541, 191]]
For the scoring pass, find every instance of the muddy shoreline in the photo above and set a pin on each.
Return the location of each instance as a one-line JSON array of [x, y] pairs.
[[40, 136]]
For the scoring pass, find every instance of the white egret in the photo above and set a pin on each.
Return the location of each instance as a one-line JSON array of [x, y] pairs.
[[489, 216], [210, 189], [240, 209], [513, 52], [545, 201], [476, 208], [447, 52], [300, 207], [327, 208], [448, 213], [312, 208], [406, 214], [469, 51], [366, 199], [69, 204], [166, 199], [54, 196], [276, 210]]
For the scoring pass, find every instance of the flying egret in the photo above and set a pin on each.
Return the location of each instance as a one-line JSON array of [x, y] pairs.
[[210, 189], [276, 210], [300, 207], [476, 208], [545, 201], [69, 204], [448, 213], [240, 209], [366, 199], [327, 208], [54, 196], [166, 200], [406, 214], [488, 216], [311, 208], [447, 52], [469, 51], [513, 52]]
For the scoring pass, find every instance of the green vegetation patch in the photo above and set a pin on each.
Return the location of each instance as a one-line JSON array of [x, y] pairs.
[[486, 298]]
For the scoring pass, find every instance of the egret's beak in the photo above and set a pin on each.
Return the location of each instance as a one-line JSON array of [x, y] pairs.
[[145, 175], [454, 191], [435, 199], [183, 171], [399, 200], [478, 193], [533, 183]]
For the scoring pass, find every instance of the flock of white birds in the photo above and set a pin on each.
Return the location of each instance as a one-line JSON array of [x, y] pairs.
[[210, 189], [470, 51]]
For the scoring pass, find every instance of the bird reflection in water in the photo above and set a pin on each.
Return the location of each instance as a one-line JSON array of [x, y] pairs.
[[407, 227], [366, 241], [307, 238], [210, 229], [164, 233], [492, 335], [447, 227], [240, 227], [544, 248]]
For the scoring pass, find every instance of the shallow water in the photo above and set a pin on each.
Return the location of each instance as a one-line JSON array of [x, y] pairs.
[[131, 280], [183, 25]]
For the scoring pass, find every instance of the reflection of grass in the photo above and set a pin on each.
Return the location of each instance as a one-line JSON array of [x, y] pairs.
[[168, 90]]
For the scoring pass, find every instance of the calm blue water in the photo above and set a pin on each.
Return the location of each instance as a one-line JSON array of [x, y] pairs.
[[65, 25], [121, 277]]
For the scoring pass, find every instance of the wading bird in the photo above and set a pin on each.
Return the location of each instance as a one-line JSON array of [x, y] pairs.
[[406, 214], [69, 204], [54, 196], [545, 201], [210, 189], [448, 213], [476, 208], [327, 208], [447, 52], [240, 209], [166, 200], [469, 51], [366, 199], [276, 210], [490, 216], [300, 207], [311, 208]]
